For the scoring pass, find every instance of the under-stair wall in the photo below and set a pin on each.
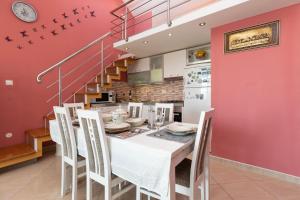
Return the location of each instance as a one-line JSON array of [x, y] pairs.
[[26, 97]]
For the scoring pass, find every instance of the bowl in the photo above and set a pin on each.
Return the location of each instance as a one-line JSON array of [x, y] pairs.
[[135, 121]]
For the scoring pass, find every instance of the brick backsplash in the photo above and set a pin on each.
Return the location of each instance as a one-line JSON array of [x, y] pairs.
[[167, 91]]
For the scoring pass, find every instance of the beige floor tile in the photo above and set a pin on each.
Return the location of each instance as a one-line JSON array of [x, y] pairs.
[[281, 189], [217, 193], [247, 190], [228, 176], [41, 181]]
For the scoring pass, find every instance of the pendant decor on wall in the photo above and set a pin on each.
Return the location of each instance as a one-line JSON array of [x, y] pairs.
[[24, 11], [259, 36]]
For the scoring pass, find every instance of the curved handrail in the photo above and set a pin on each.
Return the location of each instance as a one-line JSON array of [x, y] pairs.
[[43, 73]]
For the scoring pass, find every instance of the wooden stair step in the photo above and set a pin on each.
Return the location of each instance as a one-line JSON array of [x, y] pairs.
[[15, 152], [38, 133], [50, 117]]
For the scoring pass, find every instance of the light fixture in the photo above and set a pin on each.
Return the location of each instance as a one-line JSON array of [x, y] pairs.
[[170, 34], [202, 24], [126, 48], [146, 42]]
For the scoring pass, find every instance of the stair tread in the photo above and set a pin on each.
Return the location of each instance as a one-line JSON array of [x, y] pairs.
[[50, 117], [38, 133], [88, 93], [15, 151]]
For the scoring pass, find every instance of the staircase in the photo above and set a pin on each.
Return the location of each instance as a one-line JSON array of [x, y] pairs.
[[37, 138]]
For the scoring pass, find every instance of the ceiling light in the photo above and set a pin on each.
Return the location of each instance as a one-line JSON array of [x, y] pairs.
[[170, 34], [126, 48], [202, 24], [146, 42]]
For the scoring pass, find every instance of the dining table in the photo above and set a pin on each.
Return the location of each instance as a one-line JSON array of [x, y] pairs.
[[148, 162]]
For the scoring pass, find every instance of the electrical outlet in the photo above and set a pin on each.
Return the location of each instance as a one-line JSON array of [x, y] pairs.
[[8, 135], [9, 82]]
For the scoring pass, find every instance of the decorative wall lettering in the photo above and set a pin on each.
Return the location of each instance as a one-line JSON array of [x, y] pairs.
[[24, 34], [54, 33], [75, 11], [92, 14], [65, 15], [8, 39], [63, 27], [57, 25]]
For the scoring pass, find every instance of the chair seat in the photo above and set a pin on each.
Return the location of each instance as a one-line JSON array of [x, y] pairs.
[[183, 172]]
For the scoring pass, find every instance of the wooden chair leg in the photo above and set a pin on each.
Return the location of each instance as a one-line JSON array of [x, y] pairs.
[[74, 182]]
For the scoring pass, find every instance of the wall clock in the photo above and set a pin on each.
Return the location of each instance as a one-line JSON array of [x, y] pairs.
[[24, 11]]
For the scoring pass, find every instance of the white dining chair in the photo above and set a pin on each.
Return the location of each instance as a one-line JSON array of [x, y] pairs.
[[69, 156], [193, 175], [135, 110], [73, 107], [98, 156], [165, 109]]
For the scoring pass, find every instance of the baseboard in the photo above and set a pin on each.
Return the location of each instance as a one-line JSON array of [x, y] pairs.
[[259, 170]]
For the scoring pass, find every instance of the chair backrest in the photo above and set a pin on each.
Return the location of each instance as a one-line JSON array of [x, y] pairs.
[[98, 159], [68, 140], [201, 146], [73, 107], [165, 109], [135, 110]]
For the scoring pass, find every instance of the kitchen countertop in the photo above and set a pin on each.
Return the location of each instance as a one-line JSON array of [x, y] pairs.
[[176, 103]]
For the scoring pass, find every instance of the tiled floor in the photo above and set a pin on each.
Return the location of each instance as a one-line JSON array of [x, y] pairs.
[[41, 181]]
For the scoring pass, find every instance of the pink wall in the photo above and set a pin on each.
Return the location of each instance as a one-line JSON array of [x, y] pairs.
[[23, 105], [256, 95]]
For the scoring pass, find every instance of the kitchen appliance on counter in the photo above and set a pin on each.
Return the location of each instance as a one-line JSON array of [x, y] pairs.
[[197, 91], [106, 97]]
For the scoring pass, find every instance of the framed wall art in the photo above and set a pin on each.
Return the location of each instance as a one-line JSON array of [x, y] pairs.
[[259, 36]]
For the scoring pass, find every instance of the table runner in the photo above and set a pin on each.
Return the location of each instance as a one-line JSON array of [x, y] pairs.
[[164, 134]]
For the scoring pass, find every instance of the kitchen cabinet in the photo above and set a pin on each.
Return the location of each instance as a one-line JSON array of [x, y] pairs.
[[139, 78], [156, 69], [140, 65], [174, 64]]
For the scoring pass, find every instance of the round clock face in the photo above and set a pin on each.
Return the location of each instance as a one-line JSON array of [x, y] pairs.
[[24, 11]]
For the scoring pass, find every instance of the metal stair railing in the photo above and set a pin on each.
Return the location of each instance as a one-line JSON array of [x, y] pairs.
[[61, 63]]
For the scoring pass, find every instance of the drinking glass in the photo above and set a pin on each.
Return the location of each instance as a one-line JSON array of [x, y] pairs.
[[159, 122]]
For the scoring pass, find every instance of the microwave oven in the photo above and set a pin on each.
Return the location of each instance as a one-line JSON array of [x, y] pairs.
[[106, 97]]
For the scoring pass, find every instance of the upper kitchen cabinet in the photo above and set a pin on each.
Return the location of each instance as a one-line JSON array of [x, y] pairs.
[[156, 69], [140, 65], [174, 64]]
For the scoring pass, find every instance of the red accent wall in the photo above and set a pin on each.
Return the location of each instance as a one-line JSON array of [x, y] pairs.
[[256, 96], [23, 105]]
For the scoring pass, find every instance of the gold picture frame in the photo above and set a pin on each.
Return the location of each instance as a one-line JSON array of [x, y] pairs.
[[259, 36]]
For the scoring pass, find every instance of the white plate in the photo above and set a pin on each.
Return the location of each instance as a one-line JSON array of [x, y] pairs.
[[180, 128], [135, 121], [180, 133], [113, 126]]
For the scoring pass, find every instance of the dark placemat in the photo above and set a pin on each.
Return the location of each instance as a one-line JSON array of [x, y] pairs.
[[128, 134], [164, 134]]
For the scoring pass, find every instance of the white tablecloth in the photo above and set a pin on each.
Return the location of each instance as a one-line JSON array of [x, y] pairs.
[[141, 160]]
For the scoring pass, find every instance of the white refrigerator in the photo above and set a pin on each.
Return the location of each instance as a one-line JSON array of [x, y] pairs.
[[197, 91]]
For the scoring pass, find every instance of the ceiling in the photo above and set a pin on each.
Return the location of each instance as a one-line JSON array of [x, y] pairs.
[[186, 31]]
